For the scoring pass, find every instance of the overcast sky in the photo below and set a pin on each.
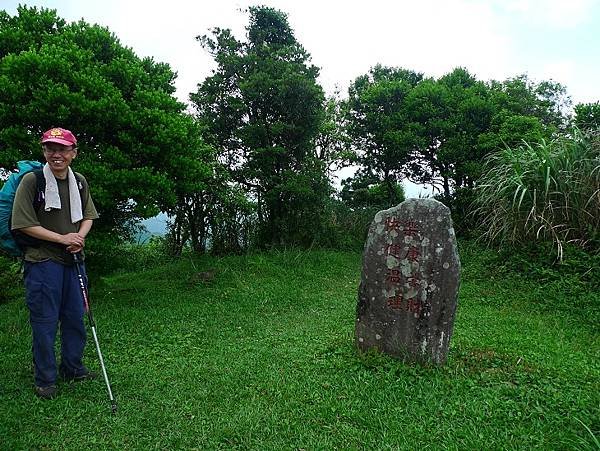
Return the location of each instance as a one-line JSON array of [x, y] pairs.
[[548, 39], [493, 39]]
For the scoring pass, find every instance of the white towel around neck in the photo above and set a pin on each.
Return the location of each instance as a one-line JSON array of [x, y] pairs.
[[52, 198]]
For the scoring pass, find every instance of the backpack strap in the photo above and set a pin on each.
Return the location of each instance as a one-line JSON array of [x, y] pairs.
[[40, 189]]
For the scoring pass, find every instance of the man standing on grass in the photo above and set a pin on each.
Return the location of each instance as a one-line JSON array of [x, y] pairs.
[[51, 234]]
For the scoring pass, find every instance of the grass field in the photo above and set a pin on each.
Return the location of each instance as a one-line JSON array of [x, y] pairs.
[[262, 357]]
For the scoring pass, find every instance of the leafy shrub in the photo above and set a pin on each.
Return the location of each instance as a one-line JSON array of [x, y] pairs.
[[233, 224], [106, 255], [347, 227], [548, 191], [571, 285], [10, 280], [460, 203], [361, 197]]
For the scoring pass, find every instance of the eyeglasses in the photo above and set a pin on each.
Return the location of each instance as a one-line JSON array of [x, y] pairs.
[[61, 150]]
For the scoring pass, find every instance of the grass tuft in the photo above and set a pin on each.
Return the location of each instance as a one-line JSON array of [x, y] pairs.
[[548, 191]]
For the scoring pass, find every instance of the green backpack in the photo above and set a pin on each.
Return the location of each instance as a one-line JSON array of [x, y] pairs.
[[7, 198]]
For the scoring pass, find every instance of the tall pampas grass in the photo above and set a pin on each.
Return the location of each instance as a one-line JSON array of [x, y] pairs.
[[544, 191]]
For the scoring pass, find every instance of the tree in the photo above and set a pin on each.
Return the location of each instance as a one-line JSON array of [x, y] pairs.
[[447, 116], [366, 191], [423, 129], [262, 108], [587, 116], [438, 131], [379, 124], [332, 145], [547, 100], [137, 147], [524, 111]]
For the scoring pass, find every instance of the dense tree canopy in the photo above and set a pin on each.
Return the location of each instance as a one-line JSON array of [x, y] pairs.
[[379, 123], [587, 116], [437, 131], [366, 191], [256, 163], [448, 116], [137, 148], [262, 109]]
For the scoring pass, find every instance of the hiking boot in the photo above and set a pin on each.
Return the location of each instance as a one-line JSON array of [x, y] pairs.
[[87, 376], [48, 392]]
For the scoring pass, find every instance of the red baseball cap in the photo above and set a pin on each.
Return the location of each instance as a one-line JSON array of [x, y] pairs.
[[60, 136]]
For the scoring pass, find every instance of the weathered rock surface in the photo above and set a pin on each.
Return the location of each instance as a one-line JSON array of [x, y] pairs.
[[409, 285]]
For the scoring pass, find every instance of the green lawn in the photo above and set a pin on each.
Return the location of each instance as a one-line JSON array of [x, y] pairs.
[[263, 358]]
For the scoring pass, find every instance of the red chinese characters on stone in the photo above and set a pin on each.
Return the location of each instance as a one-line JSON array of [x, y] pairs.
[[394, 276], [395, 302], [413, 253], [395, 250], [410, 228], [413, 282], [412, 305], [392, 223]]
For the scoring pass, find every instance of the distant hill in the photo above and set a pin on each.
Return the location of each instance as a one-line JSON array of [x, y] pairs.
[[153, 226]]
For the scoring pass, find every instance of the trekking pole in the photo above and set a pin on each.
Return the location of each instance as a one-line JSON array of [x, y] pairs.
[[88, 309]]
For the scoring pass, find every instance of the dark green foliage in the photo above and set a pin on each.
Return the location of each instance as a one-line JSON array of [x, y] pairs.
[[448, 117], [511, 130], [230, 220], [587, 117], [262, 109], [464, 221], [361, 197], [107, 256], [203, 214], [569, 287], [10, 279], [232, 223], [379, 123], [459, 120], [348, 227], [524, 111], [546, 100], [332, 145], [367, 191], [138, 149], [438, 131]]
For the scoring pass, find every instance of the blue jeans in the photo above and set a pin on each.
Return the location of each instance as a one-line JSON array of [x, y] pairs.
[[54, 297]]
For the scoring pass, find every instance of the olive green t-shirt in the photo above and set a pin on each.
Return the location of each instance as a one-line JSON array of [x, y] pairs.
[[59, 221]]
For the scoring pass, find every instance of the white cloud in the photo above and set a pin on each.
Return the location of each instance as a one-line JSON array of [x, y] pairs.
[[491, 38], [559, 70], [428, 36], [560, 14]]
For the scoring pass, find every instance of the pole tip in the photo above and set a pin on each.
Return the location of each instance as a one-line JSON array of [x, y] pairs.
[[114, 408]]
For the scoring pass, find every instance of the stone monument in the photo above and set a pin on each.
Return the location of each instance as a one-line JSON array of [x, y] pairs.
[[409, 284]]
